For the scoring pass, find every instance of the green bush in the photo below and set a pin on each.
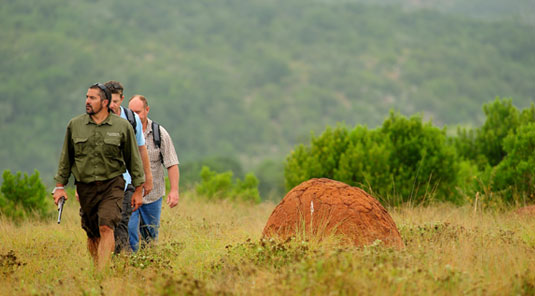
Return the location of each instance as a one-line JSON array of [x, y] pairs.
[[220, 186], [421, 162], [23, 197], [246, 190], [515, 175], [214, 185], [408, 160], [502, 118], [404, 160], [485, 145], [189, 171], [320, 159], [502, 153]]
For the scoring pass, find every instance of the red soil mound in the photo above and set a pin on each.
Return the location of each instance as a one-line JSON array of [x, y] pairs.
[[322, 206]]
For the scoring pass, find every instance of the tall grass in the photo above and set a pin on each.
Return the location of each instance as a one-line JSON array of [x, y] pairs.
[[208, 248]]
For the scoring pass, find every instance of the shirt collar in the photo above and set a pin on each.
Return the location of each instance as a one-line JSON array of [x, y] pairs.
[[107, 121], [149, 125]]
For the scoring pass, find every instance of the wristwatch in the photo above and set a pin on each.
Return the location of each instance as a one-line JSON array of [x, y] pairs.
[[56, 188]]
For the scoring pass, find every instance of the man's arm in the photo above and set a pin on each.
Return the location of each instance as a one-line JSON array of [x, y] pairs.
[[133, 163], [64, 167], [170, 160], [137, 198], [173, 196], [147, 186]]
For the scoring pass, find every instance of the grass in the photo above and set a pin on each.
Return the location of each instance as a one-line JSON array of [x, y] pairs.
[[215, 248]]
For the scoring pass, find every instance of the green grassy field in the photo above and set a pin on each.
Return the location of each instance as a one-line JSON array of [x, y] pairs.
[[216, 248]]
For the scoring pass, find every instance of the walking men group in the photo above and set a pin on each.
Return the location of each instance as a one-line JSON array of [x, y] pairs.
[[116, 157]]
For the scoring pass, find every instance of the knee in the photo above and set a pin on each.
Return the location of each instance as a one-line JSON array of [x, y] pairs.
[[93, 241], [105, 230]]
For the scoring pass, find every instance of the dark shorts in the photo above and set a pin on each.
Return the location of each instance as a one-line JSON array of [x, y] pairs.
[[101, 204]]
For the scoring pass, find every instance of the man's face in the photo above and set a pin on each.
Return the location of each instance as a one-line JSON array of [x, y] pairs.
[[115, 105], [93, 103], [136, 105]]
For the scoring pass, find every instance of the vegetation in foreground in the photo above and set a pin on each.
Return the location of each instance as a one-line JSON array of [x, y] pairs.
[[215, 247]]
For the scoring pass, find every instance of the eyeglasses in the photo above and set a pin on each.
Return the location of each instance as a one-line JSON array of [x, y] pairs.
[[115, 87], [103, 88]]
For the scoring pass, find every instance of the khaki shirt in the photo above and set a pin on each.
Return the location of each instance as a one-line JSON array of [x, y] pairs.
[[98, 152], [170, 159]]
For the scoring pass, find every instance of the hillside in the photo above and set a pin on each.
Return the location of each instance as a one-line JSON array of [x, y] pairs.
[[249, 79], [520, 10]]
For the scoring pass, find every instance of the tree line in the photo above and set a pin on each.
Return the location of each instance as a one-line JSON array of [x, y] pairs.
[[407, 160]]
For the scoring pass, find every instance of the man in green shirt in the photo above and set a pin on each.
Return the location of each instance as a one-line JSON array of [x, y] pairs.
[[98, 148]]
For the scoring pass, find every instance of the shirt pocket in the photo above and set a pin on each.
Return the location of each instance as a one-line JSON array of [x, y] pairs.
[[80, 146], [154, 155], [112, 147]]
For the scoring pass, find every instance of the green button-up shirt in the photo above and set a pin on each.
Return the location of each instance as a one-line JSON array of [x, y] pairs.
[[98, 152]]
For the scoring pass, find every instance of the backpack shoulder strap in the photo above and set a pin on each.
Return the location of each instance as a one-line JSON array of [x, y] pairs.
[[131, 118], [156, 136]]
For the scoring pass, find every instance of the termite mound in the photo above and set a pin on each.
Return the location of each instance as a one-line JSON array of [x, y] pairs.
[[322, 207]]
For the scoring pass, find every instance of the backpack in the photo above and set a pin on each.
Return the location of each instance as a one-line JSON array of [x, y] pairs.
[[157, 138], [131, 118]]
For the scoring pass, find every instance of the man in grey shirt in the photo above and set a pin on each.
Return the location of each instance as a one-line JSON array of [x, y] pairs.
[[146, 220]]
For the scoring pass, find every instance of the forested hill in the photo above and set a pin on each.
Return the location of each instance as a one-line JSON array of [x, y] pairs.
[[519, 10], [249, 79]]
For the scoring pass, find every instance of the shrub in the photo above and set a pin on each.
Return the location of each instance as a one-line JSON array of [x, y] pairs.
[[515, 175], [246, 190], [420, 162], [220, 186], [320, 159], [502, 118], [23, 197], [404, 160], [214, 185], [189, 171], [502, 152], [484, 145]]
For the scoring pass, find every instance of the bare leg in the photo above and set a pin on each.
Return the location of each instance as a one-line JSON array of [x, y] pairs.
[[92, 246], [105, 246]]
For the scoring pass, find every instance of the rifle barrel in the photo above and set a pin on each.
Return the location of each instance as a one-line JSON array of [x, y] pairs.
[[61, 202]]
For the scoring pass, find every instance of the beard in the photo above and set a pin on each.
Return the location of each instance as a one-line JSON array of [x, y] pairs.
[[90, 110]]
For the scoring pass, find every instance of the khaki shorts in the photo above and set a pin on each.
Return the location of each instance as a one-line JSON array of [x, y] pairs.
[[101, 204]]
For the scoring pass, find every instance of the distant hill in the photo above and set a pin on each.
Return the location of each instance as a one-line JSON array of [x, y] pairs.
[[520, 10], [250, 79]]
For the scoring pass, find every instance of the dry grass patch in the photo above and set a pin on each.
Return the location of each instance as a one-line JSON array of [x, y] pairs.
[[216, 248]]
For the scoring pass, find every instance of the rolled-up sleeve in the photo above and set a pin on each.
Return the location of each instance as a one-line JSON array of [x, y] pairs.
[[170, 157]]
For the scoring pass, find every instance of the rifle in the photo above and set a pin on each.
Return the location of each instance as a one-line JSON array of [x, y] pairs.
[[61, 202]]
